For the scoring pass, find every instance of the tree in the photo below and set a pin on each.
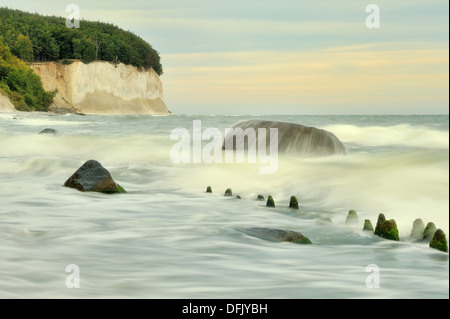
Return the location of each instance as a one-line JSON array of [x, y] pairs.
[[23, 48], [77, 48]]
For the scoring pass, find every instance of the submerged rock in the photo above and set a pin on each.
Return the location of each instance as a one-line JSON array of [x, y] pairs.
[[417, 230], [260, 198], [386, 228], [270, 202], [48, 131], [324, 220], [429, 231], [228, 192], [277, 235], [209, 189], [293, 202], [352, 218], [238, 197], [439, 241], [367, 225], [93, 177]]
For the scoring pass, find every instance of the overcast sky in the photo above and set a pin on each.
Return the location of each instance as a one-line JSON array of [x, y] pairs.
[[287, 56]]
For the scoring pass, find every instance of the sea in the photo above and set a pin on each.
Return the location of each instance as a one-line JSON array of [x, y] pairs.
[[167, 238]]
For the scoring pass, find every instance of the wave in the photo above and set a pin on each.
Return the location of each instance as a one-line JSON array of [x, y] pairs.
[[404, 185], [402, 134]]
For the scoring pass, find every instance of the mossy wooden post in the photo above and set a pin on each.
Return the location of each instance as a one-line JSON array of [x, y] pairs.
[[352, 218], [429, 231], [386, 228], [417, 230], [228, 192], [439, 241], [270, 202], [379, 227], [209, 189], [367, 225], [391, 230], [293, 202]]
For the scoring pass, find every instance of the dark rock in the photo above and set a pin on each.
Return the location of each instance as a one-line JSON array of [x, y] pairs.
[[429, 231], [93, 177], [277, 235], [386, 228], [293, 202], [417, 230], [228, 192], [209, 189], [352, 218], [238, 197], [48, 131], [260, 198], [270, 202], [439, 241], [367, 225], [324, 220]]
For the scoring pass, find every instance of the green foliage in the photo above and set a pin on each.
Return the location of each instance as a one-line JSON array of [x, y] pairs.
[[23, 48], [21, 84], [66, 61], [51, 40]]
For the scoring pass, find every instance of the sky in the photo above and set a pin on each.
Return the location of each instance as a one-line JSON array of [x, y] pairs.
[[286, 56]]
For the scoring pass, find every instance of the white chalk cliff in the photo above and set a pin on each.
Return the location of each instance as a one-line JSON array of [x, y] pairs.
[[103, 88], [5, 104]]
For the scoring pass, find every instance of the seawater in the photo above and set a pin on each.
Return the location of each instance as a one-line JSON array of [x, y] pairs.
[[167, 238]]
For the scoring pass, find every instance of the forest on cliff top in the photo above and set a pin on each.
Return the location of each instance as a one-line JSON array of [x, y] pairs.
[[31, 37]]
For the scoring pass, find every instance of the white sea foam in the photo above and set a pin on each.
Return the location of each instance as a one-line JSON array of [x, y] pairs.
[[163, 238], [397, 135]]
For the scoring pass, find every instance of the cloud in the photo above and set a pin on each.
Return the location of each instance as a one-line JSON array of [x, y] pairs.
[[251, 55], [323, 77]]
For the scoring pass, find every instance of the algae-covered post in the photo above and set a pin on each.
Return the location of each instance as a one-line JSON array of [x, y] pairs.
[[352, 218], [439, 241], [270, 202], [429, 231], [368, 225], [228, 192], [293, 202], [386, 228], [417, 230]]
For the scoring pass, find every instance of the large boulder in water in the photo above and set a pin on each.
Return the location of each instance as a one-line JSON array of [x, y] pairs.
[[277, 235], [292, 138], [93, 177]]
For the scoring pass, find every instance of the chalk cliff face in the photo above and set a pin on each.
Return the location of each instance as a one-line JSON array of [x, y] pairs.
[[5, 104], [103, 88]]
